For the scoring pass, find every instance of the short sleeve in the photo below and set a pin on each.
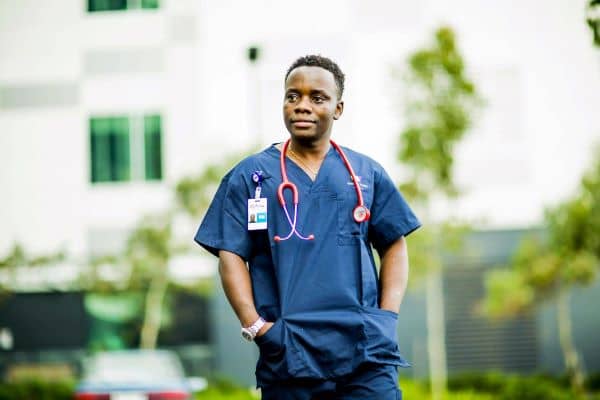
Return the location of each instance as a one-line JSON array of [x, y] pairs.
[[391, 217], [224, 226]]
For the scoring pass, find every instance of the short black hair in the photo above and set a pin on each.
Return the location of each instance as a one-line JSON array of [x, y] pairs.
[[322, 62]]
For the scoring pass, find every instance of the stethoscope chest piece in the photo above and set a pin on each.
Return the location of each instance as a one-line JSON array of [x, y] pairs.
[[361, 214]]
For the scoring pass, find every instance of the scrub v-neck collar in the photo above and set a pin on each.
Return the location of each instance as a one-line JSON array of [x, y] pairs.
[[299, 172]]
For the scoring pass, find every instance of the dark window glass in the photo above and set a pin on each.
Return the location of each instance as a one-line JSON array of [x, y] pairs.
[[114, 5], [106, 5], [109, 138], [150, 4], [152, 147]]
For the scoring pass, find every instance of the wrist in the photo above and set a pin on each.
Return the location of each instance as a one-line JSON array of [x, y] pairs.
[[250, 332], [264, 329], [247, 314], [390, 306], [248, 321]]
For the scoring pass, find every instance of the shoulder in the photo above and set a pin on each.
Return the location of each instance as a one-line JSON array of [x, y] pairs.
[[363, 161]]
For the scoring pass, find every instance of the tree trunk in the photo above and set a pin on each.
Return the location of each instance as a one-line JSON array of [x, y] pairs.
[[565, 332], [153, 310], [436, 337]]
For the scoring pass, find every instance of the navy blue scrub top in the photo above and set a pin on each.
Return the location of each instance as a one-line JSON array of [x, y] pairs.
[[322, 294]]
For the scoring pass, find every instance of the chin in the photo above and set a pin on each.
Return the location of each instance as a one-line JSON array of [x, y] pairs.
[[306, 136], [305, 140]]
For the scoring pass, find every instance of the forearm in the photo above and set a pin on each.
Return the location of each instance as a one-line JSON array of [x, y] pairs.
[[237, 285], [393, 275]]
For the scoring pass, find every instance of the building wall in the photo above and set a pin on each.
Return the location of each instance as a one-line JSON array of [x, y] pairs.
[[187, 60], [124, 62]]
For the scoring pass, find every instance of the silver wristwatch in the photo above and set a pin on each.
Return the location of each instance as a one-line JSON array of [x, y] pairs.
[[250, 332]]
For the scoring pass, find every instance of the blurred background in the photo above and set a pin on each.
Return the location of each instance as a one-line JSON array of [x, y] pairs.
[[119, 117]]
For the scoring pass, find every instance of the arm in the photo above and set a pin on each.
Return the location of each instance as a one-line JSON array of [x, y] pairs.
[[393, 275], [238, 289]]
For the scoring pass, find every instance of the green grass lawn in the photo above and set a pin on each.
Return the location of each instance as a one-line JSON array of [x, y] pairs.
[[416, 391], [410, 390], [474, 386]]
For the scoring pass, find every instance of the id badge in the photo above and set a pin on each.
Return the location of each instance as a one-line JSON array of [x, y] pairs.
[[257, 214]]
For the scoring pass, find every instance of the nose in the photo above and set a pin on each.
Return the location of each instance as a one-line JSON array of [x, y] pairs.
[[303, 105]]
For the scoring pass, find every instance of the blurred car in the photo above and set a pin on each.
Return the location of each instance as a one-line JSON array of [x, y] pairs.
[[136, 375]]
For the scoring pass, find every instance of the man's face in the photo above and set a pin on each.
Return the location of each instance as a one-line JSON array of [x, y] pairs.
[[311, 103]]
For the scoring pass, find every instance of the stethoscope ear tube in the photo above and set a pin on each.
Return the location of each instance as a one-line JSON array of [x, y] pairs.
[[360, 213], [287, 185]]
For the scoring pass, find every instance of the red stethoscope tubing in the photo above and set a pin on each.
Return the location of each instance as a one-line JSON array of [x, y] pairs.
[[286, 184], [360, 213]]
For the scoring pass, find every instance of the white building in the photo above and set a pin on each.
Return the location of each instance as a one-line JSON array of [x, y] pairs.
[[171, 81]]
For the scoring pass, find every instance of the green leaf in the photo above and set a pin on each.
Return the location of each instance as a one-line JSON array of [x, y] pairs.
[[440, 100], [507, 294]]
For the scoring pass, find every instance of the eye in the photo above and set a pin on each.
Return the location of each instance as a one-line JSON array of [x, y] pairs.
[[318, 99], [291, 97]]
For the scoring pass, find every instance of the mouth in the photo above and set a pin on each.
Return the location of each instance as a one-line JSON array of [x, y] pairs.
[[303, 123]]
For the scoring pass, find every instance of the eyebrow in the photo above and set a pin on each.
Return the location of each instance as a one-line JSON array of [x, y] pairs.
[[312, 92]]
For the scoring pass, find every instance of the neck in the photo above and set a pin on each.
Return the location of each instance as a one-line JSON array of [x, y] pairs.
[[310, 150]]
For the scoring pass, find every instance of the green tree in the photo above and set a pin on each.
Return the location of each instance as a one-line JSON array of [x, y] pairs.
[[16, 259], [151, 246], [593, 20], [194, 193], [440, 103], [548, 268]]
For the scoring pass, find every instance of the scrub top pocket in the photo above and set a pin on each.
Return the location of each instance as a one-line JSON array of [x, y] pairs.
[[349, 231], [382, 341], [271, 343], [326, 343], [273, 363]]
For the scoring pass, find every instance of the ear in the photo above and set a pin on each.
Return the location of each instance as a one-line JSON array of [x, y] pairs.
[[339, 109]]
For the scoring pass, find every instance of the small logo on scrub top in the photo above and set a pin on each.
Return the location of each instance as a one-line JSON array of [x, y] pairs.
[[362, 185]]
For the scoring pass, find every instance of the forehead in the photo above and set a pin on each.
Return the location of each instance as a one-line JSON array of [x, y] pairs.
[[311, 78]]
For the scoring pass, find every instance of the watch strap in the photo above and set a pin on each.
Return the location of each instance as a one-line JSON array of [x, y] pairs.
[[250, 332]]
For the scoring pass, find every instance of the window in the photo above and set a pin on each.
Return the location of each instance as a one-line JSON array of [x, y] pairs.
[[125, 148], [114, 5], [152, 147]]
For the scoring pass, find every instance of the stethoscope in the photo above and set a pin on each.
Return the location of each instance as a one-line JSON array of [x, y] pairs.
[[360, 213]]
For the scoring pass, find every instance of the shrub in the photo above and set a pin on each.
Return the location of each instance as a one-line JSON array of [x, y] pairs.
[[223, 389], [510, 387], [417, 390], [534, 388], [490, 382], [36, 389], [592, 382]]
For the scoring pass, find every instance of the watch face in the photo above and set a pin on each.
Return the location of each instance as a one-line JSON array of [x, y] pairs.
[[247, 335]]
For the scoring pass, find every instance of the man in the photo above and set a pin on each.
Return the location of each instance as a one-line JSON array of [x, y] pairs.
[[311, 298]]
